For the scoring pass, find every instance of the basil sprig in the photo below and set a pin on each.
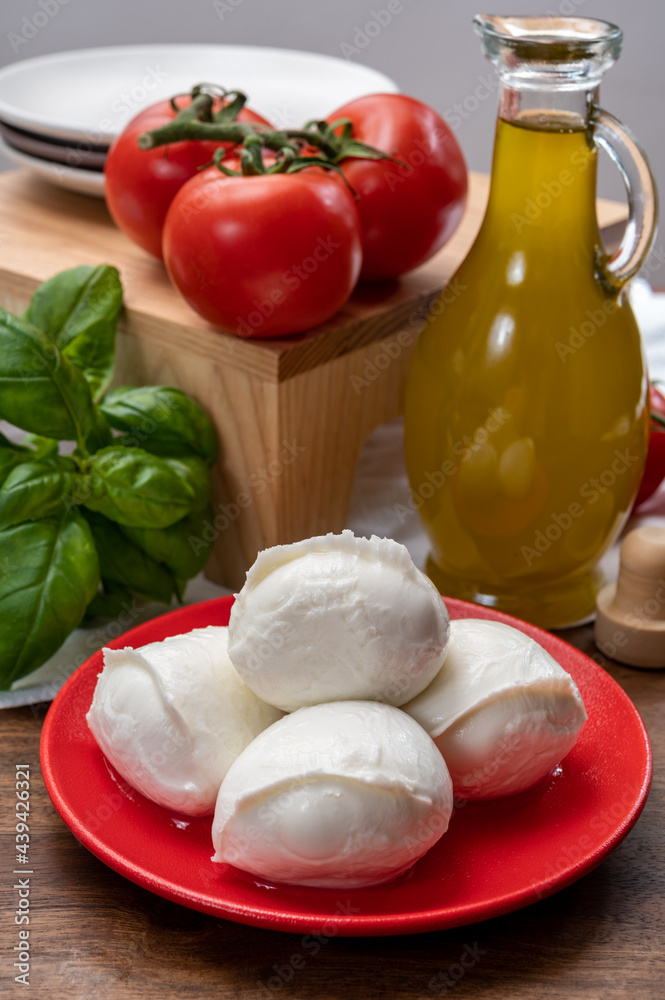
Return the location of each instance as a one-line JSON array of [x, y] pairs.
[[80, 534]]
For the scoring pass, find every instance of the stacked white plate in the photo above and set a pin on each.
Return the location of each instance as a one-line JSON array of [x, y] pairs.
[[60, 113]]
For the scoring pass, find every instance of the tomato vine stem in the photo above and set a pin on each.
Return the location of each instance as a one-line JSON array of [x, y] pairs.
[[200, 121]]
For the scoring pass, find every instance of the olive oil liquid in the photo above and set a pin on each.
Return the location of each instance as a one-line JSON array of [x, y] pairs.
[[526, 418]]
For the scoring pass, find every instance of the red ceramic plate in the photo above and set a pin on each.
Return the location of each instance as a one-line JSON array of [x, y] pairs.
[[496, 857]]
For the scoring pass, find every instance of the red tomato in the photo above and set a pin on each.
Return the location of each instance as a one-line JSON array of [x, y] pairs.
[[141, 184], [266, 255], [408, 211], [656, 402], [654, 469]]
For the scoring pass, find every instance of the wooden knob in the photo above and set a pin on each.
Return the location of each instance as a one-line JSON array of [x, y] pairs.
[[630, 614]]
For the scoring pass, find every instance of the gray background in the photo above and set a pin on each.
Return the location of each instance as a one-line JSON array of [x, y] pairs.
[[428, 47]]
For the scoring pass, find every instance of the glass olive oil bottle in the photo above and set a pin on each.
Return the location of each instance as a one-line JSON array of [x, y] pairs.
[[526, 417]]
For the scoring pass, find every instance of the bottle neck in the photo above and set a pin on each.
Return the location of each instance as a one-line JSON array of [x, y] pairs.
[[544, 167], [571, 106]]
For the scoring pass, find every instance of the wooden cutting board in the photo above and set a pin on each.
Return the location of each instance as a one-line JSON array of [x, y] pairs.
[[291, 414]]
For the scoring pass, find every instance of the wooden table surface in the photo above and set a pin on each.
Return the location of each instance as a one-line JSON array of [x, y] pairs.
[[94, 934]]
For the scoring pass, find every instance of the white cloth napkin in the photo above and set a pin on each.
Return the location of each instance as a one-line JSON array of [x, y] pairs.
[[380, 496]]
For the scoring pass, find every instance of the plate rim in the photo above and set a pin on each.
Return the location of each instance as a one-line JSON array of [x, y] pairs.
[[86, 182], [49, 149], [376, 924], [59, 127]]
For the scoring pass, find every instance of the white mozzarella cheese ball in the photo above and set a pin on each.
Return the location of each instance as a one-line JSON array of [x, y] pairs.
[[337, 617], [344, 794], [501, 710], [172, 716]]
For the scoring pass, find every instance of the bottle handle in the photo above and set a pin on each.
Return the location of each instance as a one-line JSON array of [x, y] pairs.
[[625, 151]]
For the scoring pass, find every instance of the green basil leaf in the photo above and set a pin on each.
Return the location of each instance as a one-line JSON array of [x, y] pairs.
[[78, 311], [6, 443], [41, 447], [183, 547], [195, 472], [133, 487], [8, 461], [161, 420], [110, 602], [100, 435], [37, 489], [11, 455], [124, 563], [40, 390], [48, 574]]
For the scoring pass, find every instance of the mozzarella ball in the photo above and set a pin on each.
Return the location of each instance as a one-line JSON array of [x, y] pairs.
[[502, 711], [337, 617], [172, 717], [344, 794]]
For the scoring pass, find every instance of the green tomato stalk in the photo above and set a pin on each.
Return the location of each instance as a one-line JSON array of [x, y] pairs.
[[199, 121]]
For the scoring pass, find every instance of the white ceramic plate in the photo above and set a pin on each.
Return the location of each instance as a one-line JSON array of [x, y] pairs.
[[89, 96], [84, 181], [55, 150]]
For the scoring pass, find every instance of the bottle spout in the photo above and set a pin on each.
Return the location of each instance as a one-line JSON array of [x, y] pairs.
[[549, 50]]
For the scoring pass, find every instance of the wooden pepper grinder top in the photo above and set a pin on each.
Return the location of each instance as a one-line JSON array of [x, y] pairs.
[[630, 614]]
